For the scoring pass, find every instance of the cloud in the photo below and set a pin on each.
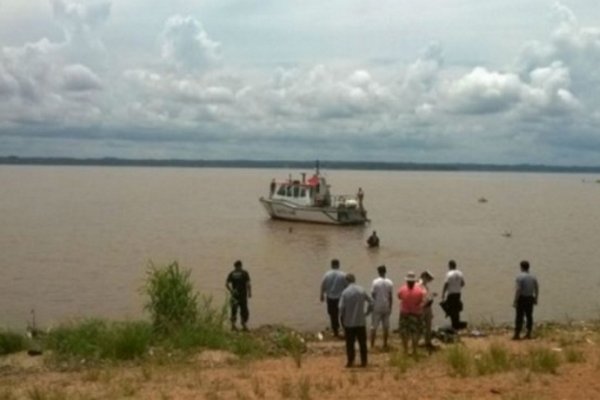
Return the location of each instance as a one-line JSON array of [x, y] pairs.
[[176, 91], [186, 45], [482, 91], [575, 46], [8, 84], [78, 78], [550, 90], [421, 76], [80, 19]]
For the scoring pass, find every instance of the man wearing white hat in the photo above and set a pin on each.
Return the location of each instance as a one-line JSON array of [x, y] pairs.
[[412, 298]]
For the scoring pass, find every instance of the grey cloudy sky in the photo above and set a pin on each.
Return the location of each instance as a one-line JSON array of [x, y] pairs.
[[490, 81]]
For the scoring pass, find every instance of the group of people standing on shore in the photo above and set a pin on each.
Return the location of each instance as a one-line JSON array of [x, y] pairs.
[[349, 304]]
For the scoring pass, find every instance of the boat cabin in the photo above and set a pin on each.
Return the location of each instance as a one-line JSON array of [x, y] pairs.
[[314, 192]]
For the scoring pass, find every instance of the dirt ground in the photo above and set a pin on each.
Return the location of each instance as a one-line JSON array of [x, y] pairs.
[[319, 374]]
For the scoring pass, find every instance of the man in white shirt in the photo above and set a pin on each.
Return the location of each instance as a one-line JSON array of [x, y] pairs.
[[451, 294], [382, 291]]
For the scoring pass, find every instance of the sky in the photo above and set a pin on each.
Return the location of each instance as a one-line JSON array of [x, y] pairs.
[[453, 81]]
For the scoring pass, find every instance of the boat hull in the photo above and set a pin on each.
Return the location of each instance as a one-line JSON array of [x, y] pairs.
[[281, 209]]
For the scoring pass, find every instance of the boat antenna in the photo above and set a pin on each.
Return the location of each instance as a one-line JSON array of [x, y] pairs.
[[317, 167]]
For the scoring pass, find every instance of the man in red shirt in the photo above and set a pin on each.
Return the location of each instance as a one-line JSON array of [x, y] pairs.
[[412, 298]]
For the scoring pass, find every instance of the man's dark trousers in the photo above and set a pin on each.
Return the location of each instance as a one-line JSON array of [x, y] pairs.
[[334, 314], [352, 334], [524, 311]]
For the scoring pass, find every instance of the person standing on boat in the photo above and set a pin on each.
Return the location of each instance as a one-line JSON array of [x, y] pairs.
[[332, 286], [353, 314], [238, 285], [382, 292], [451, 295], [526, 296], [360, 195], [272, 188]]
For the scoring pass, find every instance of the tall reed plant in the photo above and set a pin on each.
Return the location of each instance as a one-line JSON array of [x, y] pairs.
[[172, 303]]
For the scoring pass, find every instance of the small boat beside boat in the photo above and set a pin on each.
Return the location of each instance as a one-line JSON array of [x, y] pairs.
[[310, 200]]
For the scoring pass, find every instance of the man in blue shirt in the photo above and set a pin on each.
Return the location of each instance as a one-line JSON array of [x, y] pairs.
[[332, 286], [353, 314]]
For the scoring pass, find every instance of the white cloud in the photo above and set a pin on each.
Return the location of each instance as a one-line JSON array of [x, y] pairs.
[[186, 44], [483, 91], [575, 46]]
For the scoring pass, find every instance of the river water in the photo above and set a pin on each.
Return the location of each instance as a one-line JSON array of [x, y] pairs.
[[76, 241]]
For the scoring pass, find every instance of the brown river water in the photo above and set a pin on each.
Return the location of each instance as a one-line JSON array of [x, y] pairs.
[[76, 241]]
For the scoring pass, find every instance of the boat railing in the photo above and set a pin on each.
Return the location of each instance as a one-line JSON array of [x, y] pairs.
[[344, 200]]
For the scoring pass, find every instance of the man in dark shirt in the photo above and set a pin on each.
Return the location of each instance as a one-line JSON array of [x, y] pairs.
[[373, 240], [238, 285]]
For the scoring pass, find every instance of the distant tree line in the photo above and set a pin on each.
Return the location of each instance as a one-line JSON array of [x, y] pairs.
[[346, 165]]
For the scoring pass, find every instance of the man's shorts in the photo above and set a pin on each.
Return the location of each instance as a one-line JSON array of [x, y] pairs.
[[382, 318], [411, 324]]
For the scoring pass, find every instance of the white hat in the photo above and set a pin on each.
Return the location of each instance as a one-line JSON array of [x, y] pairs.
[[410, 277]]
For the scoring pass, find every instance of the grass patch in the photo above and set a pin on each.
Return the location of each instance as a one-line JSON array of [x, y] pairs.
[[496, 359], [285, 388], [43, 394], [11, 342], [401, 361], [543, 360], [291, 343], [7, 394], [304, 388], [573, 355], [95, 339], [258, 389], [459, 360]]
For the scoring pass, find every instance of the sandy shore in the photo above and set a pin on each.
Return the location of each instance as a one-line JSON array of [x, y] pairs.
[[320, 373]]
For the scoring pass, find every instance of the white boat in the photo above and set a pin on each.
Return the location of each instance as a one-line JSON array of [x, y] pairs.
[[309, 200]]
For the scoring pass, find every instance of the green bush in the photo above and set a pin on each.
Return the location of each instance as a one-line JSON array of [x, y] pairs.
[[11, 342], [129, 340], [173, 302], [177, 324], [81, 339]]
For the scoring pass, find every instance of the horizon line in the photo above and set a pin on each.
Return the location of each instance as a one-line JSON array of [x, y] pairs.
[[328, 164]]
